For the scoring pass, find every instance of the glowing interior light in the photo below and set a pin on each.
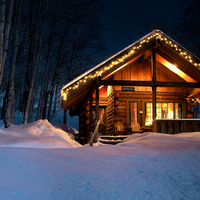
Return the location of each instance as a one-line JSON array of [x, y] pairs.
[[100, 87], [174, 69]]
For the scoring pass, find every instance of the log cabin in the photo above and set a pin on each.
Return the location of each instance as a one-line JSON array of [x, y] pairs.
[[152, 82]]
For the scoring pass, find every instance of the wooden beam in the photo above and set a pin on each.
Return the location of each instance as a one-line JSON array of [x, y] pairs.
[[169, 72], [153, 63], [145, 56], [180, 62], [177, 84], [154, 103], [97, 111], [125, 83], [148, 83]]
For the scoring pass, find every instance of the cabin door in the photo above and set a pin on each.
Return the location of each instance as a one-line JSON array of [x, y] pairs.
[[133, 117], [103, 120]]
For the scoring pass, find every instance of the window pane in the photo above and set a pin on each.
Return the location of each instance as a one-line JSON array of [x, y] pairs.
[[164, 111], [148, 117]]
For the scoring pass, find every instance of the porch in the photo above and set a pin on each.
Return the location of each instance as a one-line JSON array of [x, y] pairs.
[[173, 126]]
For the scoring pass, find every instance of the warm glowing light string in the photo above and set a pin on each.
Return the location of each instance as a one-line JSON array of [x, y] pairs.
[[130, 52]]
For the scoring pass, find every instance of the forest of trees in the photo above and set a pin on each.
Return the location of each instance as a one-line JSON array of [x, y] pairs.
[[43, 45], [185, 30]]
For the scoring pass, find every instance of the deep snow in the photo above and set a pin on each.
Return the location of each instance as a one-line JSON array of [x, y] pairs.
[[144, 166], [38, 134]]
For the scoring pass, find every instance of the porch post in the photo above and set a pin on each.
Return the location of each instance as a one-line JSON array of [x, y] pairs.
[[153, 63], [97, 110]]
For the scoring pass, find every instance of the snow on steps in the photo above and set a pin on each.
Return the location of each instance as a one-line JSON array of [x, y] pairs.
[[105, 139]]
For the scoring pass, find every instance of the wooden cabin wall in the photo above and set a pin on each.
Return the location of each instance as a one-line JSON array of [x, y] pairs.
[[190, 108], [86, 121], [122, 98], [141, 71], [110, 114]]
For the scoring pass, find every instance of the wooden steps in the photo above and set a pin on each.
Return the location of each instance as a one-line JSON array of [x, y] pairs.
[[106, 139]]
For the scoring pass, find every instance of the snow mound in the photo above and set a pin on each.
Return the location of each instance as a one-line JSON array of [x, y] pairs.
[[160, 141], [38, 134]]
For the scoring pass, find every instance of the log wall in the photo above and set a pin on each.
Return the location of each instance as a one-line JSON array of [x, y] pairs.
[[117, 104], [122, 98], [86, 121]]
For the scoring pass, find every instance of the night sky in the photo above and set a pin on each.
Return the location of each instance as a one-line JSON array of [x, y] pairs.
[[124, 20]]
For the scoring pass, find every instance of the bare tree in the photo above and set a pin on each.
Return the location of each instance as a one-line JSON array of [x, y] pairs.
[[188, 29], [36, 51], [11, 91], [5, 22], [57, 39]]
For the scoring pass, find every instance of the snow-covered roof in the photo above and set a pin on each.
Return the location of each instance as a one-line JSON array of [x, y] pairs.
[[121, 57]]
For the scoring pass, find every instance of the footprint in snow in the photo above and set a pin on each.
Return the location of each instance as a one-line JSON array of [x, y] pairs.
[[73, 178], [16, 192], [86, 183], [136, 171], [53, 193], [76, 176], [84, 189]]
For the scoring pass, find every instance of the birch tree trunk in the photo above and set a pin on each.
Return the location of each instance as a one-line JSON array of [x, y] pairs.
[[4, 32], [2, 22], [43, 92], [52, 92], [13, 64], [4, 104], [12, 111], [55, 99], [51, 100], [35, 61]]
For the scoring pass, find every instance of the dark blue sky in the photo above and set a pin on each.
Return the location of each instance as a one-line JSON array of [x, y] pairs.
[[124, 20]]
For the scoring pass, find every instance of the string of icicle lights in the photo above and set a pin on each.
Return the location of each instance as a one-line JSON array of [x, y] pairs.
[[131, 51]]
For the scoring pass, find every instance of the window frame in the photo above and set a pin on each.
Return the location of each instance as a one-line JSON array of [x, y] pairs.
[[127, 111], [174, 102]]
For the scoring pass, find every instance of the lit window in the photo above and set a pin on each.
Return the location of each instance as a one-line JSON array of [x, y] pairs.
[[163, 111]]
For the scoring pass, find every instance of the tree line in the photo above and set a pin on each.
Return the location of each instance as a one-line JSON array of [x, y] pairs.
[[43, 45], [185, 30]]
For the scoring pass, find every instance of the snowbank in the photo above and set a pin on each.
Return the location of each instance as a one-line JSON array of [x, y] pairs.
[[159, 141], [146, 166], [38, 134]]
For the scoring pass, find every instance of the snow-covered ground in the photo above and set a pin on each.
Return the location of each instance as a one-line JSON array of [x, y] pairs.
[[145, 166], [38, 134]]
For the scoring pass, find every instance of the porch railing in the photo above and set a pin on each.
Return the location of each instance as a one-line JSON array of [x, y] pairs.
[[94, 135]]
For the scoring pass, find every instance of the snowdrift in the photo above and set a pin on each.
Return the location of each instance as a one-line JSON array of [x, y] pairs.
[[159, 141], [38, 134]]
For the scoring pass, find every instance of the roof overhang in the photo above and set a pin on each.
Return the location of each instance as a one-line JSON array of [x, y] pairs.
[[166, 48]]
